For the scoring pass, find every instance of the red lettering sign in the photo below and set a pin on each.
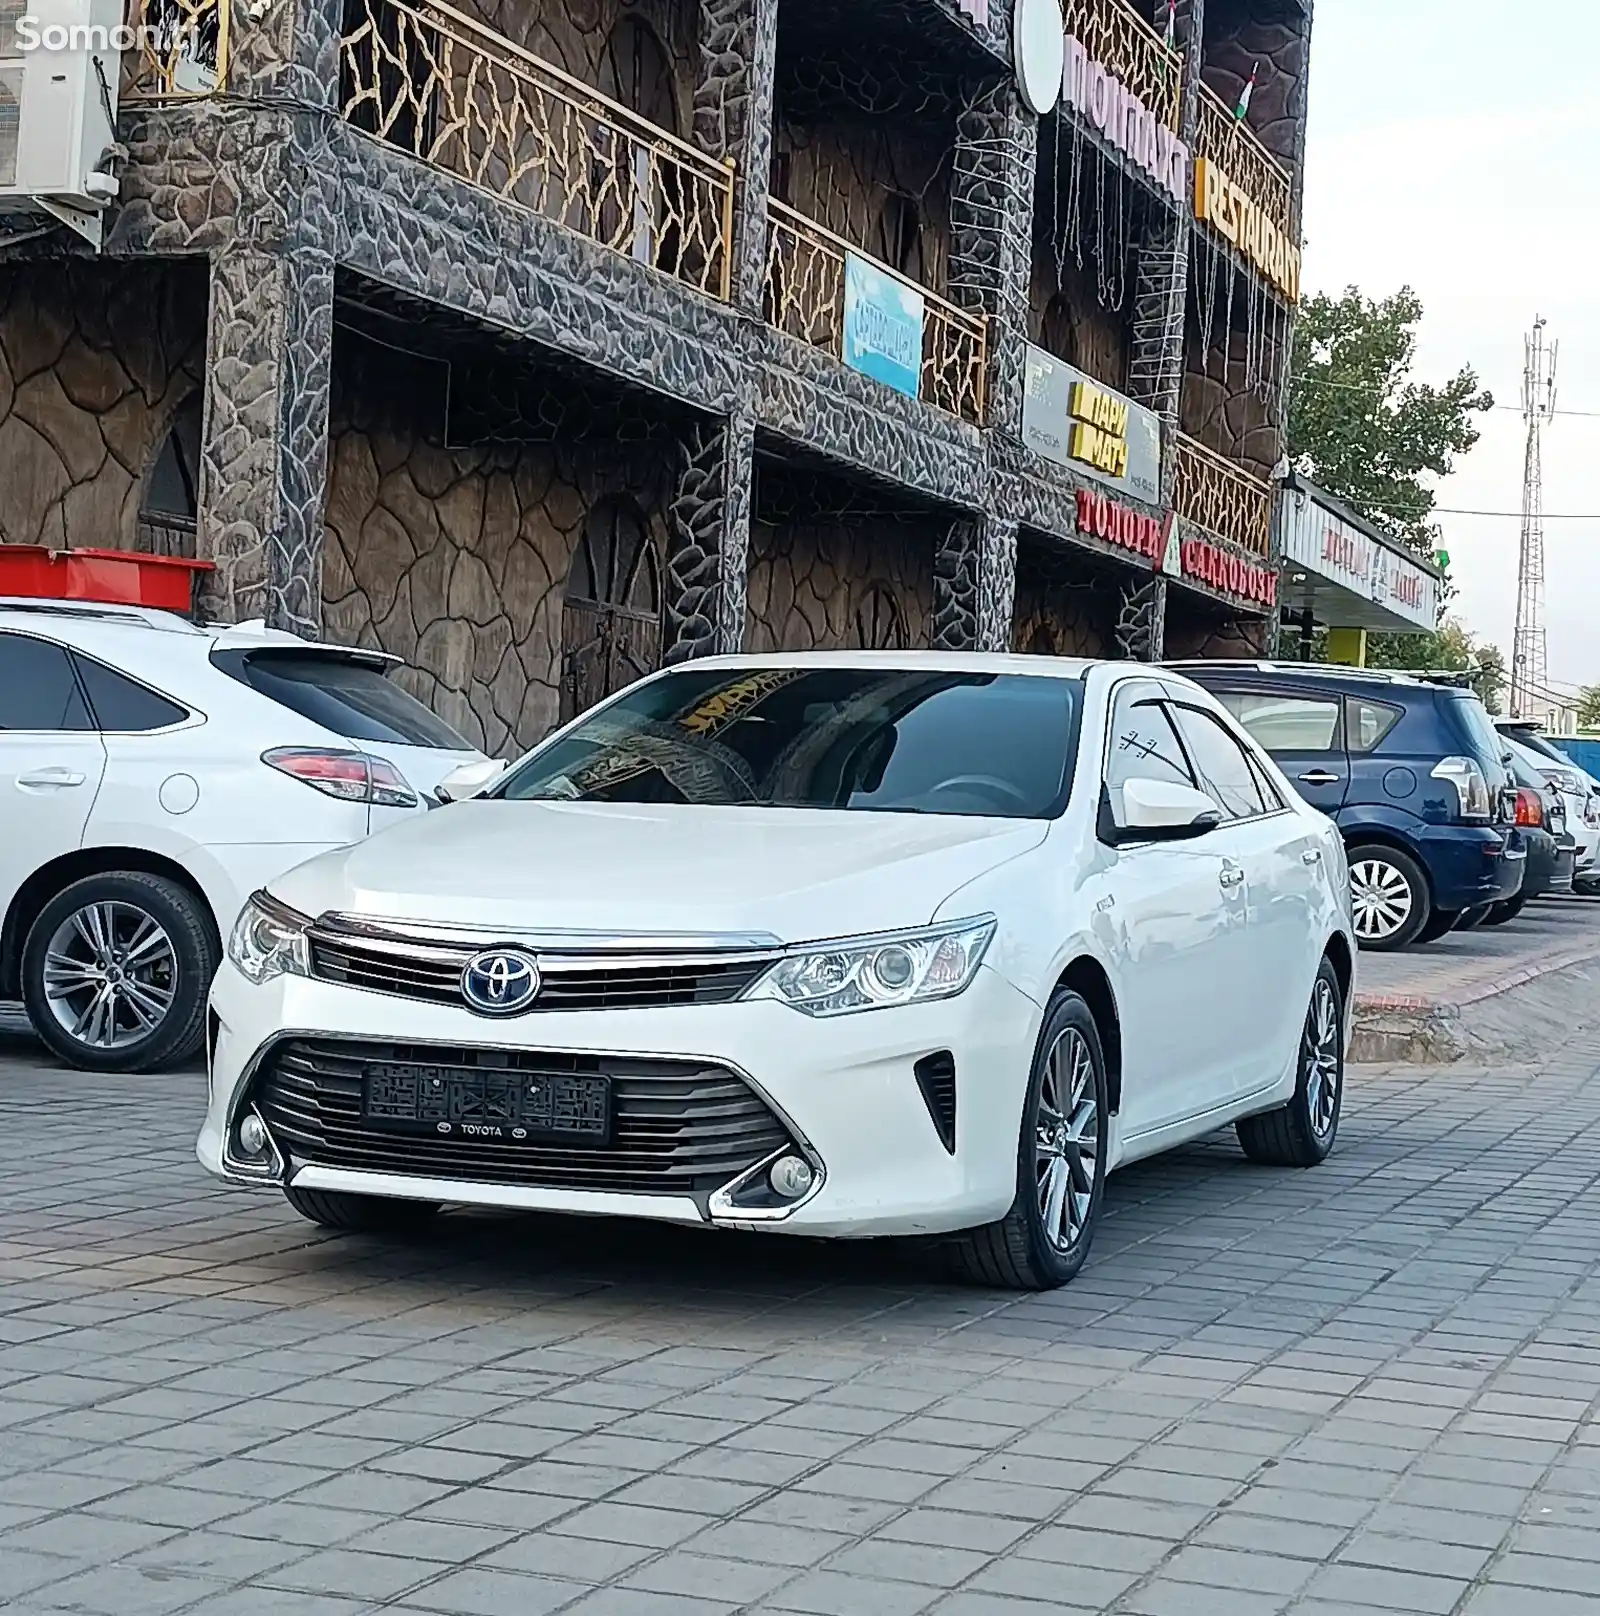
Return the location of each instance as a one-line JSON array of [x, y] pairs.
[[1228, 573], [1117, 524]]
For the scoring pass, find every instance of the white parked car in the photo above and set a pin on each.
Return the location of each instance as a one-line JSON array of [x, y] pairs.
[[1580, 792], [840, 944], [152, 775]]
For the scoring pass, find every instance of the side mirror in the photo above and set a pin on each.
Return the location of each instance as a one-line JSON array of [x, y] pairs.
[[469, 780], [1158, 811]]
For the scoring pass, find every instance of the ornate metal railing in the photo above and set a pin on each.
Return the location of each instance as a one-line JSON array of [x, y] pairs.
[[1118, 38], [181, 50], [805, 298], [1220, 497], [422, 76], [1221, 139]]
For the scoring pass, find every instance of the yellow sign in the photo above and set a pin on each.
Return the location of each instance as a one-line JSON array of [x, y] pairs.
[[1099, 429], [1239, 220]]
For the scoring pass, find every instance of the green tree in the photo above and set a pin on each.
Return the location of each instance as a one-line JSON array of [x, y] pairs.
[[1366, 431], [1589, 707]]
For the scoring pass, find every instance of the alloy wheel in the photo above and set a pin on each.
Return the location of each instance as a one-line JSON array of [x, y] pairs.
[[1381, 897], [1320, 1051], [110, 974], [1067, 1132]]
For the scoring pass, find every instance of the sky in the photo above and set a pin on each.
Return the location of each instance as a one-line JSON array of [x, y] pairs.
[[1453, 148]]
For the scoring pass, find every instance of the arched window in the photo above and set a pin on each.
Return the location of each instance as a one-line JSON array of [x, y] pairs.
[[611, 622], [880, 626], [171, 504]]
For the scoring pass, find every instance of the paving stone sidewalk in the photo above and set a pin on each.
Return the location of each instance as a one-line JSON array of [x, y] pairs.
[[1367, 1388]]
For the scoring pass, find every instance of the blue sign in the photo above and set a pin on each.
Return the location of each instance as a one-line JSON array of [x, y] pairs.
[[882, 326]]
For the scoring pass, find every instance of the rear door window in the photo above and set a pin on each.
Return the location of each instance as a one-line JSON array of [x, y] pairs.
[[1280, 721], [353, 699], [38, 690]]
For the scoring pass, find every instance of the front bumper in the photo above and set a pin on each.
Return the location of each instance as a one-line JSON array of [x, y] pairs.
[[843, 1089]]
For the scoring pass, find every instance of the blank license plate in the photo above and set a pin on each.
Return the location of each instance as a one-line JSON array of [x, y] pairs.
[[497, 1105]]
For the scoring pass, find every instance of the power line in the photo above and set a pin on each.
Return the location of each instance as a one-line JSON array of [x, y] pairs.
[[1383, 392]]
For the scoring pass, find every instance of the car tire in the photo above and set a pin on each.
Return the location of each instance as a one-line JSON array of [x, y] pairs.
[[1472, 918], [1390, 893], [359, 1214], [1302, 1133], [111, 951], [1060, 1184], [1440, 924], [1501, 913]]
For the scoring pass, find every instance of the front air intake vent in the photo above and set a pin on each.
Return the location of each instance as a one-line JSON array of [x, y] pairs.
[[936, 1077]]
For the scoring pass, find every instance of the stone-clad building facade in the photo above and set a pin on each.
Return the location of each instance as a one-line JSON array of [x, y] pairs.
[[508, 335]]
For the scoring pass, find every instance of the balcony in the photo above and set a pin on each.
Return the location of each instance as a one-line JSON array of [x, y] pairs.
[[1222, 140], [1120, 40], [182, 53], [1221, 498], [439, 86], [805, 292]]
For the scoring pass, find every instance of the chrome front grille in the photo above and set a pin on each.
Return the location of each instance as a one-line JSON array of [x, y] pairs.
[[575, 980], [677, 1127]]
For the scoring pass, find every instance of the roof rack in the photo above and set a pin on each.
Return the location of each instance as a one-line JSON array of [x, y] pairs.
[[151, 617], [1339, 670]]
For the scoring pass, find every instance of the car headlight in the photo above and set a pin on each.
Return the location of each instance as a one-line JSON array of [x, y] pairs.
[[269, 939], [877, 972]]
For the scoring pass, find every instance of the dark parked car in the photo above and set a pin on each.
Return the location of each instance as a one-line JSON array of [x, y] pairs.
[[1541, 819], [1412, 772]]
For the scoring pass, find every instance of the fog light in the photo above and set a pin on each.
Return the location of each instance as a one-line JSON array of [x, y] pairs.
[[790, 1177], [252, 1135]]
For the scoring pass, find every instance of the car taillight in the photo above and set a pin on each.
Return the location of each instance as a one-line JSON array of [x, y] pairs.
[[1472, 790], [350, 776], [1530, 811]]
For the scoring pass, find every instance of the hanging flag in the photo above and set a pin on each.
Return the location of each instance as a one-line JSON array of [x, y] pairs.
[[1172, 25], [1245, 94]]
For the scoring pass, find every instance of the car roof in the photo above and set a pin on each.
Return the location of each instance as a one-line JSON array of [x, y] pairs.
[[1328, 671], [920, 661]]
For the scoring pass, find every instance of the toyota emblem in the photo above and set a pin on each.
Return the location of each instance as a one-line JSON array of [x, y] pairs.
[[500, 982]]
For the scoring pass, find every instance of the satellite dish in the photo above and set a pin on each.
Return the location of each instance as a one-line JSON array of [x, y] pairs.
[[1038, 34]]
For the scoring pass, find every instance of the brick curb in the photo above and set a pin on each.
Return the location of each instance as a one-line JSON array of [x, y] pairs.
[[1393, 1028]]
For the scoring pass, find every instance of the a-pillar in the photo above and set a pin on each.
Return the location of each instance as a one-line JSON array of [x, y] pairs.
[[734, 103], [1155, 371], [975, 585], [708, 539], [264, 447]]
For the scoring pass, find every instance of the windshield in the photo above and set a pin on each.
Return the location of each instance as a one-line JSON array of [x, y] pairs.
[[353, 699], [890, 740]]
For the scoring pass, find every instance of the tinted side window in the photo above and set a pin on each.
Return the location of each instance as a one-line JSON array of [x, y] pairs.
[[1279, 722], [37, 688], [1220, 764], [123, 707], [1143, 744], [1368, 722]]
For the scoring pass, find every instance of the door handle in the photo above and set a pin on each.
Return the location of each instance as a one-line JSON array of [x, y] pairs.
[[1311, 856], [50, 777], [1232, 878], [1320, 777]]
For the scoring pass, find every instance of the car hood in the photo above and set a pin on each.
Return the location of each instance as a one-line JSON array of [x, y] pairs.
[[610, 867]]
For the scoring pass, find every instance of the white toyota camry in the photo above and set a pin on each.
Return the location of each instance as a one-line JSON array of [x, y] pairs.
[[845, 944]]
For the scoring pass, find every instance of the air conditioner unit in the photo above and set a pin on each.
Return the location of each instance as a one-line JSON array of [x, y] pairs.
[[59, 68]]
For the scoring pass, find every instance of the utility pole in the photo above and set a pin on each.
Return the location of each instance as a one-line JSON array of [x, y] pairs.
[[1528, 661]]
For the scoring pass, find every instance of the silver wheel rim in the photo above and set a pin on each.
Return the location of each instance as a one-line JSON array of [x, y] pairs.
[[1381, 896], [1067, 1140], [1320, 1051], [110, 975]]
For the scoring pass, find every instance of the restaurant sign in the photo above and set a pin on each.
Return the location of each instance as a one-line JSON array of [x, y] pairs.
[[1243, 223], [1070, 418], [1124, 120], [1320, 541], [1227, 572], [1123, 526]]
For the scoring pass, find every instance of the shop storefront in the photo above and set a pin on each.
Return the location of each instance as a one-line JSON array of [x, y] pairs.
[[1339, 573]]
